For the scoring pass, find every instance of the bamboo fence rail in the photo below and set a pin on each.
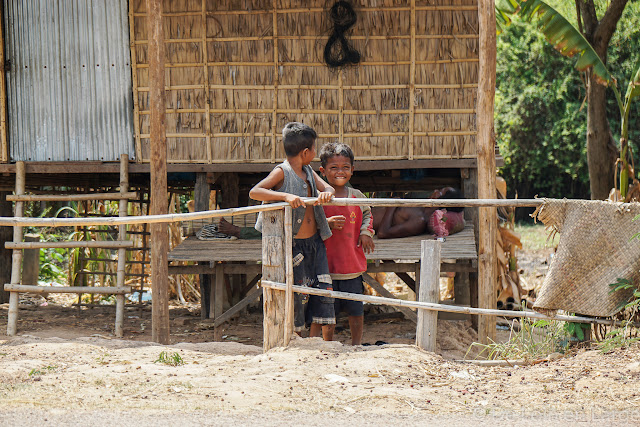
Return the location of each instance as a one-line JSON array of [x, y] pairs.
[[434, 306], [167, 218]]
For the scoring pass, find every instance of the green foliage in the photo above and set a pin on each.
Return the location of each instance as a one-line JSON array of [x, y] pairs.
[[565, 38], [540, 127], [173, 359], [576, 329], [626, 334], [540, 112], [533, 340]]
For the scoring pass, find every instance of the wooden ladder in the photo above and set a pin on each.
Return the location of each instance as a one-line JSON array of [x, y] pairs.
[[16, 286]]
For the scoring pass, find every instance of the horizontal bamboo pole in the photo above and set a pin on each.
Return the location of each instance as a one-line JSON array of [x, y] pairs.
[[304, 111], [313, 37], [317, 87], [302, 64], [433, 306], [11, 287], [110, 244], [71, 197], [168, 218], [110, 273], [311, 10]]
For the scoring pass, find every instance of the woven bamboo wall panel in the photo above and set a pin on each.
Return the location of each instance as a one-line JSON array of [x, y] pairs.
[[238, 70]]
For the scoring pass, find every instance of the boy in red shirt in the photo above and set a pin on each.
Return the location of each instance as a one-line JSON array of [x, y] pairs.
[[352, 228]]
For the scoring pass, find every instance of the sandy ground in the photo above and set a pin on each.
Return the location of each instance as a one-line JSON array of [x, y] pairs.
[[66, 368]]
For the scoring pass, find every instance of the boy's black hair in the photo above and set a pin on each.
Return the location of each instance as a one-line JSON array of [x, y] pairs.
[[296, 137], [454, 194], [332, 149]]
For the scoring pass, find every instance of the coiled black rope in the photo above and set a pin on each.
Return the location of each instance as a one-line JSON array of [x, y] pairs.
[[338, 52]]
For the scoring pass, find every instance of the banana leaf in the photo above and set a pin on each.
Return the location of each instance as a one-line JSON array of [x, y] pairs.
[[633, 89], [560, 33]]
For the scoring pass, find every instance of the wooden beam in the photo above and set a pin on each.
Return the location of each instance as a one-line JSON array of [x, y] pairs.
[[91, 167], [486, 168], [158, 171], [253, 295], [273, 268], [427, 327], [206, 269]]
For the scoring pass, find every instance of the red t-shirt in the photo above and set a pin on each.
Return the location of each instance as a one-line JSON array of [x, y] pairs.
[[343, 253]]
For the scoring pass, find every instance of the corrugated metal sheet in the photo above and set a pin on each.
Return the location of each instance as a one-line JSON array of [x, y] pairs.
[[69, 87]]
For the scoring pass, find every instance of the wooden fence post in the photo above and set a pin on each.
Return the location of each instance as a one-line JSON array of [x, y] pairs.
[[429, 291], [485, 142], [16, 258], [273, 268], [158, 193]]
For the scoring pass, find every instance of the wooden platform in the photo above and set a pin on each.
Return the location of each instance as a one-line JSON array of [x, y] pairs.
[[459, 246], [218, 258]]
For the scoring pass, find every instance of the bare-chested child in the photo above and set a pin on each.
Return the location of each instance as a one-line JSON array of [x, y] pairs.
[[398, 221], [289, 182]]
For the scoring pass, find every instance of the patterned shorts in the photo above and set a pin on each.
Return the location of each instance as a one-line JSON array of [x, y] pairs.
[[310, 268]]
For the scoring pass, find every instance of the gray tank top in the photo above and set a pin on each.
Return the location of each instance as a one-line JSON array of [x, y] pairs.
[[293, 184]]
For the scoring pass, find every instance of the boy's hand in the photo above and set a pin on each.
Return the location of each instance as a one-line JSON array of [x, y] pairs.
[[294, 201], [336, 222], [367, 243], [324, 197]]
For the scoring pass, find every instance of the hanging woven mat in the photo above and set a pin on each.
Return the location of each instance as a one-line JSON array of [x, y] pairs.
[[595, 249]]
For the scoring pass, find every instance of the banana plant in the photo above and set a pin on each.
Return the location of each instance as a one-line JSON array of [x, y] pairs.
[[570, 42]]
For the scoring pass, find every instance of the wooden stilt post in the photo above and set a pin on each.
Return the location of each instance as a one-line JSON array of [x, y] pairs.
[[486, 167], [16, 258], [123, 208], [217, 300], [273, 268], [158, 195], [288, 251], [6, 235], [201, 193], [429, 291]]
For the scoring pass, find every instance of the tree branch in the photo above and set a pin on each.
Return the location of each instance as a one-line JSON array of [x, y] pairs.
[[589, 17], [607, 25]]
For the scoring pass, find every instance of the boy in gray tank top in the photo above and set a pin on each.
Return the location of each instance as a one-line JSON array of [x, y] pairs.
[[289, 182]]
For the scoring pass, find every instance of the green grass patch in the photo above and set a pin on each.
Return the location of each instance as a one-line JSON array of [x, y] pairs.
[[42, 371], [171, 359], [535, 237]]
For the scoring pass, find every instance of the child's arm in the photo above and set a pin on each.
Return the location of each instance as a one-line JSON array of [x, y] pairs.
[[325, 191], [366, 229], [263, 192]]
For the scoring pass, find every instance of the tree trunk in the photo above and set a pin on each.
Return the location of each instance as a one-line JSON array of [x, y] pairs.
[[601, 152], [601, 149]]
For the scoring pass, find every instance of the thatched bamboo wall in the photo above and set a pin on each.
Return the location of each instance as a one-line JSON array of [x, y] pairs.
[[238, 70]]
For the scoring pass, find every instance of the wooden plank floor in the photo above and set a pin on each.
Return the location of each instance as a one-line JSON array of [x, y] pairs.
[[457, 246]]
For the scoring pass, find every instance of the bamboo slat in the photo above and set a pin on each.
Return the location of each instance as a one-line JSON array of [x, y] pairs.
[[108, 244], [71, 197], [12, 287]]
